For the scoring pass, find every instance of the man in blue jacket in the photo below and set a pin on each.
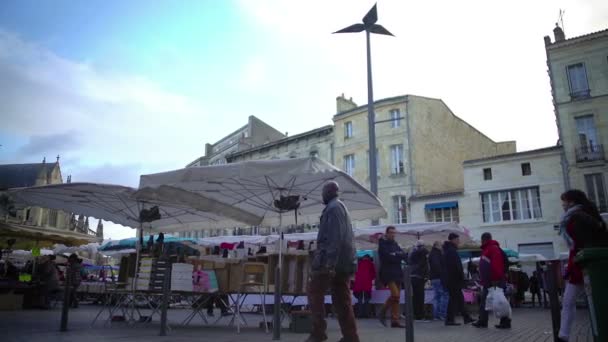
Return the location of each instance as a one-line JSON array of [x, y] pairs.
[[438, 275], [333, 264], [391, 275]]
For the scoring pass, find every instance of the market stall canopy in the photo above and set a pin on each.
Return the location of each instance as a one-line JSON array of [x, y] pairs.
[[118, 204], [260, 187], [129, 243], [408, 233], [249, 239]]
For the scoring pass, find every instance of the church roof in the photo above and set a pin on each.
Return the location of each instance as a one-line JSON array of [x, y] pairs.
[[22, 175]]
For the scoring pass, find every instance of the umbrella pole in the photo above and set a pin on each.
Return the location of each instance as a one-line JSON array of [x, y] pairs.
[[140, 233], [276, 325]]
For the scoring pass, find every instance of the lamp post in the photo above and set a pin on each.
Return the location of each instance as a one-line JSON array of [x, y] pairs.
[[369, 26]]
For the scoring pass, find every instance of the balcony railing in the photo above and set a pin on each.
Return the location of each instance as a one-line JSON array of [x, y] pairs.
[[589, 153], [580, 94]]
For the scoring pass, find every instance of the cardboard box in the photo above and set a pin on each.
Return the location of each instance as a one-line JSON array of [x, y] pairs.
[[11, 302], [301, 322], [222, 275]]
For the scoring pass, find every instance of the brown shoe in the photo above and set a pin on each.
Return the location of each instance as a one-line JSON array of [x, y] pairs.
[[397, 325]]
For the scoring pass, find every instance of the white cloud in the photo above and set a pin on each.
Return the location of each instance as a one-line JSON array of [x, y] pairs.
[[124, 119]]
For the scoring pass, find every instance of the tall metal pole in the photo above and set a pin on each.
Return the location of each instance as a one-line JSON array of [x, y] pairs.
[[409, 308], [371, 121], [66, 298]]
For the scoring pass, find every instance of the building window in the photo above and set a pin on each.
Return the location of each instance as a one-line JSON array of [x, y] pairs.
[[442, 215], [487, 174], [577, 79], [348, 130], [397, 160], [526, 169], [588, 149], [511, 205], [596, 190], [349, 164], [395, 121], [377, 162], [400, 209], [53, 218]]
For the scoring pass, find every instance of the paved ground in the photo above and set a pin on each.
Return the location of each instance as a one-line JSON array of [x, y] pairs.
[[532, 325]]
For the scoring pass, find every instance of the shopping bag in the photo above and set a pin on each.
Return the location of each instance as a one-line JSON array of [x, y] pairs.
[[490, 299], [500, 304]]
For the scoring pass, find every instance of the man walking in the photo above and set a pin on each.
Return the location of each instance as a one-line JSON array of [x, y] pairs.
[[492, 273], [455, 281], [333, 265], [437, 274], [418, 261], [391, 275]]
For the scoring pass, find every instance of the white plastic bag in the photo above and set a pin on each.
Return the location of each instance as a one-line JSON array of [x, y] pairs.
[[500, 304], [490, 299]]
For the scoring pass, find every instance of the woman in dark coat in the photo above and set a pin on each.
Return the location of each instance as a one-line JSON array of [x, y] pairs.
[[391, 256], [581, 227]]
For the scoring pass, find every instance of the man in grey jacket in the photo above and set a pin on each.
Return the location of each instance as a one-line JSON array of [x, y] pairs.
[[333, 264]]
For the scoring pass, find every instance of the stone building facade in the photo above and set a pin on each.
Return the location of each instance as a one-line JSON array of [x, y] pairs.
[[420, 144], [255, 133], [514, 196], [318, 142], [19, 220], [578, 72]]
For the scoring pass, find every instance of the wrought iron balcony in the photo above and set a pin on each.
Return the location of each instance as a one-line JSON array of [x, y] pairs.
[[580, 94], [589, 153]]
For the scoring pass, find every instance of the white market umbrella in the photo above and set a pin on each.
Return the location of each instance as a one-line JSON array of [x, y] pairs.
[[257, 186], [253, 186], [118, 204]]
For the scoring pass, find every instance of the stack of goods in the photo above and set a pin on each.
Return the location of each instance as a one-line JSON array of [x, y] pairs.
[[151, 275], [181, 277]]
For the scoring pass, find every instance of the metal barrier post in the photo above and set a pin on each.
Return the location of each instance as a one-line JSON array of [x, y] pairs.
[[551, 284], [409, 307], [66, 300]]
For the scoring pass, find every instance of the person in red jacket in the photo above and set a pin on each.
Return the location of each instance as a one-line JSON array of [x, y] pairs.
[[362, 287], [491, 273]]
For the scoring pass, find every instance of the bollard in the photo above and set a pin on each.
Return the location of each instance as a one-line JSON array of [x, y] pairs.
[[409, 306], [551, 285], [276, 324], [66, 300], [165, 302]]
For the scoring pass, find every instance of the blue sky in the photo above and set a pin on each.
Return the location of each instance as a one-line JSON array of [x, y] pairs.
[[121, 88]]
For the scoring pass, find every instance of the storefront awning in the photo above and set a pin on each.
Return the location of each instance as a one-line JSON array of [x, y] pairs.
[[441, 205]]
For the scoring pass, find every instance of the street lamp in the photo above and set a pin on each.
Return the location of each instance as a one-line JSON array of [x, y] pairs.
[[369, 26]]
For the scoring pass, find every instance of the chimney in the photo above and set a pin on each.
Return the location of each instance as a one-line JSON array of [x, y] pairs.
[[343, 104], [208, 150], [559, 34], [547, 40]]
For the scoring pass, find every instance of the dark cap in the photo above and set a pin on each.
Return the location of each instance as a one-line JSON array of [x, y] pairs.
[[453, 236]]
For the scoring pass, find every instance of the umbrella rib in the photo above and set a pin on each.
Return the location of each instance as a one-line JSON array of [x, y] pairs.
[[242, 198], [253, 194]]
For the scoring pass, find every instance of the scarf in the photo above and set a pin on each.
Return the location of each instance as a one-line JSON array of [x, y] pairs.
[[564, 222]]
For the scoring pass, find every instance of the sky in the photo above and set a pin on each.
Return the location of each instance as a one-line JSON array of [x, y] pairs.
[[123, 88]]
